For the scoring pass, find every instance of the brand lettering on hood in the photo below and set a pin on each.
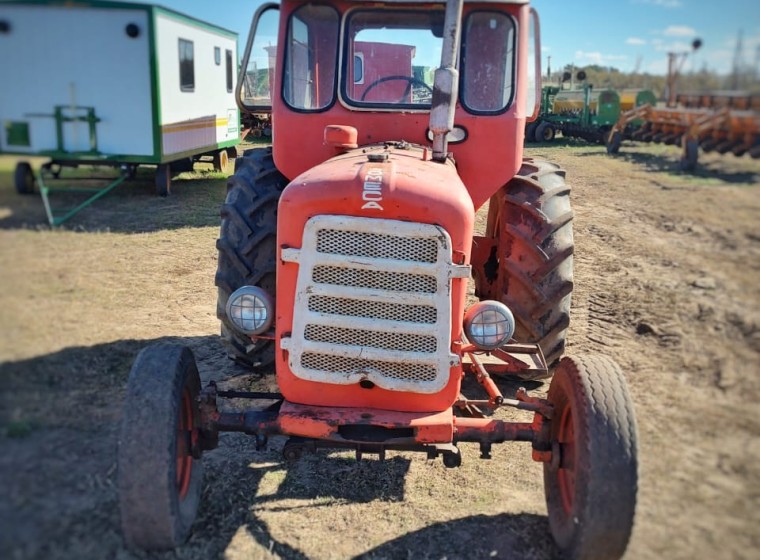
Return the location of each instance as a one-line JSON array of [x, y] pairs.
[[372, 193]]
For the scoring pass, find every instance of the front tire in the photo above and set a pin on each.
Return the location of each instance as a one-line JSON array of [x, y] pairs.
[[531, 219], [247, 248], [591, 485], [159, 478]]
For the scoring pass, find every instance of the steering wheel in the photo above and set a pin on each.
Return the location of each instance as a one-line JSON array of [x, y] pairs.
[[411, 81]]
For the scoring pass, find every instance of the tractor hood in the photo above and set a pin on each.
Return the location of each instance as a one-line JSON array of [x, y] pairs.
[[395, 181]]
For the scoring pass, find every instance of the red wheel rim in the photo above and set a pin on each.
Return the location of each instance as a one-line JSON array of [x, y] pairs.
[[566, 473], [185, 440]]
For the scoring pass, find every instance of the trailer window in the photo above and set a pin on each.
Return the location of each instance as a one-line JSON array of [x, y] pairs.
[[217, 56], [398, 52], [228, 69], [488, 50], [311, 55], [186, 66]]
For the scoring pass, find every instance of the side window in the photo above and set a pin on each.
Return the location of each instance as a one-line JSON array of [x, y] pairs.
[[186, 66], [488, 62], [217, 56], [311, 55], [228, 68]]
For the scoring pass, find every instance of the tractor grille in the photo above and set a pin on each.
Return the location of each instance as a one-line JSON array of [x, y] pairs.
[[372, 302]]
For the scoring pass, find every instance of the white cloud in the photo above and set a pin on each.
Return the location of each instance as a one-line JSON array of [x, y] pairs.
[[635, 41], [595, 57], [661, 3], [679, 31], [545, 49]]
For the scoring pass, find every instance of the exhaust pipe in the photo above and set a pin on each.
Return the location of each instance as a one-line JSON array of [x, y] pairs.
[[446, 81]]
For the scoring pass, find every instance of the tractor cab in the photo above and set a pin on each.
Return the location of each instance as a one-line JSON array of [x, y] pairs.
[[371, 66]]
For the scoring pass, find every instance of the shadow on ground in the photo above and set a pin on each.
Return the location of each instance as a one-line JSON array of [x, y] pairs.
[[132, 207], [708, 168], [59, 422]]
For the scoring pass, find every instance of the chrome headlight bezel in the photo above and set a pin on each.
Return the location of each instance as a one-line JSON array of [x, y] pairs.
[[489, 324], [259, 305]]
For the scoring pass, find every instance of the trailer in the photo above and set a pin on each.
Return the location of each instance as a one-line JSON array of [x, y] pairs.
[[114, 84]]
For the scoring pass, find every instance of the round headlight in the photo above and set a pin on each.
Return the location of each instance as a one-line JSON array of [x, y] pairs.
[[251, 310], [489, 324]]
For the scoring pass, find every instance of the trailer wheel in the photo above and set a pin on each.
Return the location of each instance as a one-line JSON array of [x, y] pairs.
[[688, 161], [614, 140], [591, 485], [164, 179], [24, 178], [221, 161], [530, 131], [247, 247], [545, 132], [531, 219], [159, 468]]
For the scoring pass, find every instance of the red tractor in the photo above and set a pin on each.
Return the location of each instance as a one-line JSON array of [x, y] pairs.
[[344, 259]]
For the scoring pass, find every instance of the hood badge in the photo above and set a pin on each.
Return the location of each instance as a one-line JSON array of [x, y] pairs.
[[372, 193]]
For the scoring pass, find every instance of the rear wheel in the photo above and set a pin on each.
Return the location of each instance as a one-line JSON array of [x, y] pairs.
[[23, 178], [160, 471], [531, 219], [591, 483], [248, 247], [545, 132]]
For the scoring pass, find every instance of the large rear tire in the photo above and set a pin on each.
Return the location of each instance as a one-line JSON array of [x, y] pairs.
[[159, 478], [531, 219], [591, 484], [248, 247]]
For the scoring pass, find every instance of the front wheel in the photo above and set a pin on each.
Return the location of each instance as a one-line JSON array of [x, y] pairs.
[[592, 480], [160, 471]]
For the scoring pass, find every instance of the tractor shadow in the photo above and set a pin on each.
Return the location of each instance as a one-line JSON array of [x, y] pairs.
[[59, 425], [524, 536]]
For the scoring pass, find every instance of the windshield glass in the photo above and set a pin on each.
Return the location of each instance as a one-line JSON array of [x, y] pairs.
[[391, 57]]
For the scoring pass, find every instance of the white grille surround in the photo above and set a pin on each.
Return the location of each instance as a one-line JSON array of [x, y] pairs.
[[373, 303]]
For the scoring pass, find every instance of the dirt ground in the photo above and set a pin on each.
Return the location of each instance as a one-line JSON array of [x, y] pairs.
[[667, 270]]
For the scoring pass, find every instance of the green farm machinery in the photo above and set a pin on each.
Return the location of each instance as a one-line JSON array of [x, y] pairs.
[[584, 112]]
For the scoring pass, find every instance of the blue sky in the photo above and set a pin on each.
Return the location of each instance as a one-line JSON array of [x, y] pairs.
[[618, 33]]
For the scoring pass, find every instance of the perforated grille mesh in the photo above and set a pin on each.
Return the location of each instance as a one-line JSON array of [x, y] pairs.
[[373, 309], [339, 364], [374, 279], [371, 339], [377, 245]]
